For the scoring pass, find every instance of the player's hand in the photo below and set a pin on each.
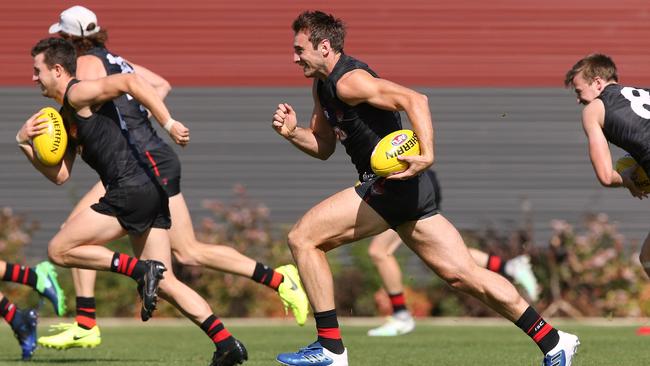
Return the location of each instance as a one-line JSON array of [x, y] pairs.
[[629, 176], [284, 120], [31, 128], [180, 134], [417, 164]]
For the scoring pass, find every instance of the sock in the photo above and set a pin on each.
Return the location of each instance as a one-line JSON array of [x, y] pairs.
[[267, 276], [496, 264], [86, 310], [329, 335], [398, 302], [129, 266], [214, 328], [20, 274], [538, 329], [7, 309]]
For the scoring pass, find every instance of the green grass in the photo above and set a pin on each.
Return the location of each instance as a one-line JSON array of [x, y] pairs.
[[437, 345]]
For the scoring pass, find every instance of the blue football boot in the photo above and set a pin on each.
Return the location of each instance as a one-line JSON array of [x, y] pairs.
[[313, 355], [24, 327]]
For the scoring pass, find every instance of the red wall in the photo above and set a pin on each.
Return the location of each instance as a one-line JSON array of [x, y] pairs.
[[415, 42]]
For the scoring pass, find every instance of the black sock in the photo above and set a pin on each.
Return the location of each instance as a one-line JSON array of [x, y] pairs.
[[329, 335], [86, 309], [266, 275], [129, 266], [398, 302], [7, 309], [215, 329], [20, 274], [538, 329]]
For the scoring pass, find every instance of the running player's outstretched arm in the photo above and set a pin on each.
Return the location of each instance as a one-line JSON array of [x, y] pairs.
[[599, 153], [359, 86], [318, 140], [94, 92], [59, 173]]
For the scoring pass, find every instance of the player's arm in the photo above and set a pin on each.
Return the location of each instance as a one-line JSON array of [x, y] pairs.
[[90, 67], [88, 93], [59, 173], [359, 86], [160, 84], [317, 140], [600, 155]]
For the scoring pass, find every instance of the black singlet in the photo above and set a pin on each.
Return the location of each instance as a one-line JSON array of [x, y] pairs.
[[627, 120], [102, 141], [131, 111], [360, 127]]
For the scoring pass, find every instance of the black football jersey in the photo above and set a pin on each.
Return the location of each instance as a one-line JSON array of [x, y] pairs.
[[102, 142], [360, 127], [627, 120], [133, 113]]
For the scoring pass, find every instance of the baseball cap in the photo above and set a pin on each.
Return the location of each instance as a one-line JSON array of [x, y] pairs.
[[76, 21]]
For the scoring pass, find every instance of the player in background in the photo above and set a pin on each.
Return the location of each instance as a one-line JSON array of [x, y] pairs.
[[43, 279], [352, 104], [381, 250], [617, 114], [79, 25], [134, 203]]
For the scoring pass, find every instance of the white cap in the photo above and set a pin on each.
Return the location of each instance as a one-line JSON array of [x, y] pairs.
[[76, 21]]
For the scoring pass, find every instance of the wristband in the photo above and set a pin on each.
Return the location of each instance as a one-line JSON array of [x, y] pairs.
[[169, 124]]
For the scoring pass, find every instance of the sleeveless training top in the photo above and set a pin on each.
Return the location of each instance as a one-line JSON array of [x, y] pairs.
[[132, 112], [102, 140], [627, 121], [360, 127]]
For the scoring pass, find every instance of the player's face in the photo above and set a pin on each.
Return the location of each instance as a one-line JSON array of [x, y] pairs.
[[586, 91], [305, 56], [44, 76]]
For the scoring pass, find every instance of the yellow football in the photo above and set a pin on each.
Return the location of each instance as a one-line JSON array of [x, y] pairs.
[[641, 179], [383, 160], [50, 146]]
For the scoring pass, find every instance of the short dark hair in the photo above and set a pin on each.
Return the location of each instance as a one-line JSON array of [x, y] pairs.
[[592, 66], [321, 26], [86, 43], [57, 51]]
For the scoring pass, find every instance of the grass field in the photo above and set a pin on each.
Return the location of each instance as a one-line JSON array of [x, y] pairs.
[[438, 345]]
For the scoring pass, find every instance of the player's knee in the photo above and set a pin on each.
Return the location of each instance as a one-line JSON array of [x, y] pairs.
[[455, 279], [55, 253], [376, 253], [297, 240], [186, 257]]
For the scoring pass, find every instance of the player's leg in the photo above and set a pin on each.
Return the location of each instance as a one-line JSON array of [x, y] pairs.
[[381, 251], [438, 243], [516, 269], [42, 278], [22, 323], [189, 251], [84, 332], [156, 245], [339, 219]]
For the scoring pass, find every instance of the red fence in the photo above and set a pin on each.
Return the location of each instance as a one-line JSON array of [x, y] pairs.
[[415, 42]]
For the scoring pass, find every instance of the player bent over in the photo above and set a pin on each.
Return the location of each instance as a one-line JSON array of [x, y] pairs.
[[613, 113], [43, 279], [352, 104], [79, 25], [134, 202]]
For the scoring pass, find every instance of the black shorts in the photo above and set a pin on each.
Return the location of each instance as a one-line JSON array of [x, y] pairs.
[[166, 167], [400, 201], [137, 208]]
